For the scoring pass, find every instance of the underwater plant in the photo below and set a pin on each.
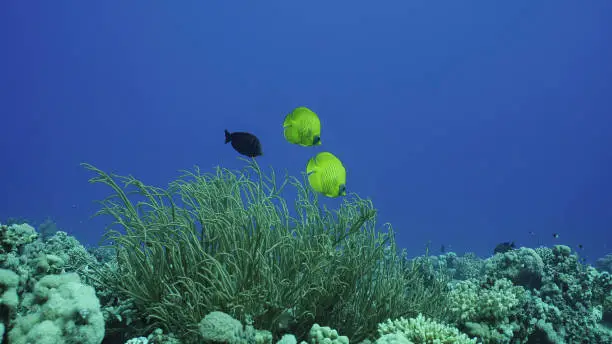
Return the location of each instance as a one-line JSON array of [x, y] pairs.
[[226, 241]]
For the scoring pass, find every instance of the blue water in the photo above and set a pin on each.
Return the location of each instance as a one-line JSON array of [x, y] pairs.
[[467, 122]]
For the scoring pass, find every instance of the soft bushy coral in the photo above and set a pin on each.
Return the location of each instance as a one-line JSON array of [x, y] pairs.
[[569, 305], [491, 301], [486, 309], [564, 301], [459, 267], [522, 266], [14, 237], [256, 259]]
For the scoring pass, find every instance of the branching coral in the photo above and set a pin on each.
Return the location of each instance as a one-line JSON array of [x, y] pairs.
[[473, 301], [422, 330]]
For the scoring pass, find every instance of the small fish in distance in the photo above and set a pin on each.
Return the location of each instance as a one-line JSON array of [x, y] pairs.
[[244, 143]]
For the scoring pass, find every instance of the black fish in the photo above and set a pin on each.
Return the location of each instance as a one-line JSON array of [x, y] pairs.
[[244, 143], [504, 247]]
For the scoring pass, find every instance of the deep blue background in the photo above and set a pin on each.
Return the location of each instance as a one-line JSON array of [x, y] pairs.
[[467, 122]]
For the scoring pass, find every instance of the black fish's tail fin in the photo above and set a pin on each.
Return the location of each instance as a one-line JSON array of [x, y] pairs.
[[228, 136]]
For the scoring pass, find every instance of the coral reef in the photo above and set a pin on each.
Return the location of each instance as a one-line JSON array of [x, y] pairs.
[[218, 258], [44, 299], [542, 295]]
